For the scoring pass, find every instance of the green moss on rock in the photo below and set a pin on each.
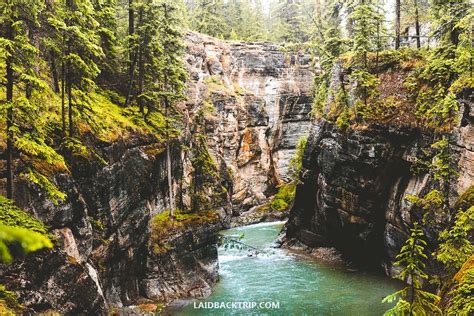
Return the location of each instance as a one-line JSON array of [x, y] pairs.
[[162, 226], [8, 302], [10, 215]]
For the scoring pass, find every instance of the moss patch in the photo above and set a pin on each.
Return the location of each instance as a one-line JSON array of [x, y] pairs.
[[281, 201], [10, 215], [162, 226], [8, 302], [461, 296]]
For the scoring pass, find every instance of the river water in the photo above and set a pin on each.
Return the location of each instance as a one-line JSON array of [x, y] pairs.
[[295, 285]]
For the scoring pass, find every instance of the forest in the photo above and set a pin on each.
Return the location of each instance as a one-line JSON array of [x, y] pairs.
[[86, 82]]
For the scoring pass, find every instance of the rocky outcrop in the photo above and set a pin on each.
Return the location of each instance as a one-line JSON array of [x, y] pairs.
[[102, 255], [188, 269], [260, 101], [355, 182]]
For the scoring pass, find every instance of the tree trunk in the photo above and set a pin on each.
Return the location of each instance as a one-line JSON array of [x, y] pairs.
[[168, 163], [131, 31], [140, 68], [140, 80], [69, 101], [54, 73], [63, 99], [9, 94], [170, 180], [417, 26], [350, 22], [397, 23]]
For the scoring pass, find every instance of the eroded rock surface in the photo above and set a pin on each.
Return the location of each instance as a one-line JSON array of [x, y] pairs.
[[260, 101], [355, 183]]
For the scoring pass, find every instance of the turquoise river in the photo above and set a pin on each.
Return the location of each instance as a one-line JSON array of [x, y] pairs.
[[296, 285]]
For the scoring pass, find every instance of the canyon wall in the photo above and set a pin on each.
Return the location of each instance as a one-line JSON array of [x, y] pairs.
[[260, 102], [355, 182]]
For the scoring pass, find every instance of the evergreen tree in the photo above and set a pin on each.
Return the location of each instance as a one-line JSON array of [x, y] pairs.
[[171, 73], [17, 53], [208, 18], [234, 19], [413, 300], [455, 247], [79, 47], [328, 44], [252, 25], [447, 15], [106, 16], [290, 21], [367, 21]]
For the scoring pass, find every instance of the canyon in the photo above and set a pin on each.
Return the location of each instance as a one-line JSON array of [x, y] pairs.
[[251, 104], [248, 105]]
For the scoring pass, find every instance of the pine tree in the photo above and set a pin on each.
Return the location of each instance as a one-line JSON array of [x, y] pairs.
[[413, 300], [455, 247], [106, 16], [17, 53], [171, 73], [367, 21], [290, 22], [79, 48], [328, 44], [447, 15], [252, 24], [208, 18], [234, 19]]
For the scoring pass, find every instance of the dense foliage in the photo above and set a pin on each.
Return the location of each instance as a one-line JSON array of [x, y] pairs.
[[73, 78]]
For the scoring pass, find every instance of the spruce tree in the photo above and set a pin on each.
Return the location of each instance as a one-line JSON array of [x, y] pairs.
[[328, 44], [290, 21], [106, 16], [79, 47], [367, 21], [208, 18], [252, 25], [447, 15], [234, 20], [171, 73], [17, 53], [413, 300]]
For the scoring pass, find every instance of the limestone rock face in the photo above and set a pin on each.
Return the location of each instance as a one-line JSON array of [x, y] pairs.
[[260, 100], [355, 183]]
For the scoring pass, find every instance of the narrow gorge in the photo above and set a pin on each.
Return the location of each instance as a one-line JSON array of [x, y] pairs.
[[229, 157]]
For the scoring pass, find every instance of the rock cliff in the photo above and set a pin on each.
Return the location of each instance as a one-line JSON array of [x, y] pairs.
[[355, 182], [259, 99]]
